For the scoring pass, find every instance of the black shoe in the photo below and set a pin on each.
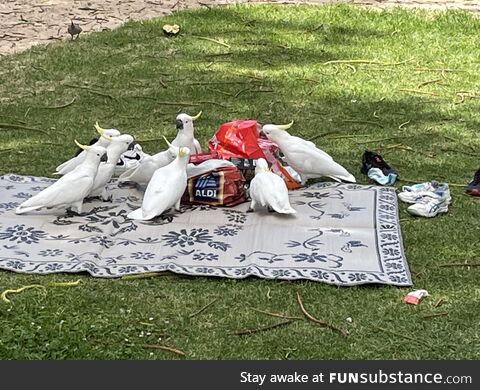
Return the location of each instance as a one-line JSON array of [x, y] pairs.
[[473, 188], [374, 160]]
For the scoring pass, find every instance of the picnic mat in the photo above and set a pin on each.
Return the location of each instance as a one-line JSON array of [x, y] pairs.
[[343, 234]]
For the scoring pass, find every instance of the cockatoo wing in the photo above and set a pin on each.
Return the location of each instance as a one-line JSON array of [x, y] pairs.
[[198, 148], [67, 190], [164, 190], [140, 174], [310, 144], [103, 176], [312, 162], [71, 164], [271, 190]]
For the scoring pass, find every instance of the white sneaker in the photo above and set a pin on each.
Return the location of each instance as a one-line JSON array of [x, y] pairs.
[[429, 207], [436, 190], [427, 186]]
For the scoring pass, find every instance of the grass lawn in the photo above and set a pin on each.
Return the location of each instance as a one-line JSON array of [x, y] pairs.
[[265, 62]]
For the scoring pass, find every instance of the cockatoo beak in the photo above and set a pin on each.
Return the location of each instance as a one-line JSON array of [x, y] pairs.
[[84, 147], [104, 158], [179, 124], [102, 132], [285, 127], [194, 118], [166, 140], [131, 146]]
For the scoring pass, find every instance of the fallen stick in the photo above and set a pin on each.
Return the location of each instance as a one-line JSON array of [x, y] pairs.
[[372, 62], [212, 40], [262, 329], [7, 126], [419, 92], [4, 294], [279, 315], [433, 315], [428, 82], [322, 323], [203, 308], [91, 90], [466, 264], [400, 127], [164, 348], [61, 105], [384, 139], [363, 122]]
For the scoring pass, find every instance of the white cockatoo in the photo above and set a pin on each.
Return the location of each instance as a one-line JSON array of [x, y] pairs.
[[70, 190], [269, 190], [186, 133], [115, 148], [165, 189], [74, 162], [304, 156], [142, 173]]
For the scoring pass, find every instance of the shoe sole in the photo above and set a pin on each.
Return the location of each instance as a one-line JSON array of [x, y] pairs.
[[416, 213], [474, 192]]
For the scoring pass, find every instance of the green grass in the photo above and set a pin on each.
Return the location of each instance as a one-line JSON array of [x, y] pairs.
[[279, 49]]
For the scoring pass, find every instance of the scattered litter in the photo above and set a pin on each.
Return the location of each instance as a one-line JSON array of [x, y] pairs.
[[415, 296], [349, 319]]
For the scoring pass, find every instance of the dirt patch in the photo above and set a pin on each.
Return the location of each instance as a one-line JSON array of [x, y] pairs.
[[24, 23]]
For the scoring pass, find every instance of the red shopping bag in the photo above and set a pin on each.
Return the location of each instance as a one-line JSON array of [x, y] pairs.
[[237, 139]]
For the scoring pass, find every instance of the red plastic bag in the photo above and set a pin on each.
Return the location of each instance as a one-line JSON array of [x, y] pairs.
[[240, 139], [237, 139], [220, 187]]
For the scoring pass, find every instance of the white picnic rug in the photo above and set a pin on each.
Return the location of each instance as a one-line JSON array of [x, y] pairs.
[[343, 234]]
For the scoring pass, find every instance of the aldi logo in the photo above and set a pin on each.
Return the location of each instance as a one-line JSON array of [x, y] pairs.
[[207, 188]]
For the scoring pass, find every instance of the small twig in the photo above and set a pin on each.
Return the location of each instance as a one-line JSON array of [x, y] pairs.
[[262, 329], [178, 104], [203, 308], [439, 302], [344, 333], [7, 126], [439, 70], [91, 90], [61, 105], [212, 102], [419, 92], [164, 348], [373, 62], [219, 91], [384, 139], [459, 151], [428, 82], [350, 66], [433, 315], [403, 124], [466, 264], [363, 122], [279, 315], [212, 40]]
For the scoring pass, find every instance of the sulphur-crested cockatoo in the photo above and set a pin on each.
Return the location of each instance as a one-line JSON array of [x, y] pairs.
[[165, 189], [304, 157], [70, 190], [186, 133], [142, 173], [115, 148], [71, 164], [269, 190]]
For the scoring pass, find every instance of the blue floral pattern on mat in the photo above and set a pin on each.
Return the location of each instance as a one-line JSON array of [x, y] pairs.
[[324, 242]]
